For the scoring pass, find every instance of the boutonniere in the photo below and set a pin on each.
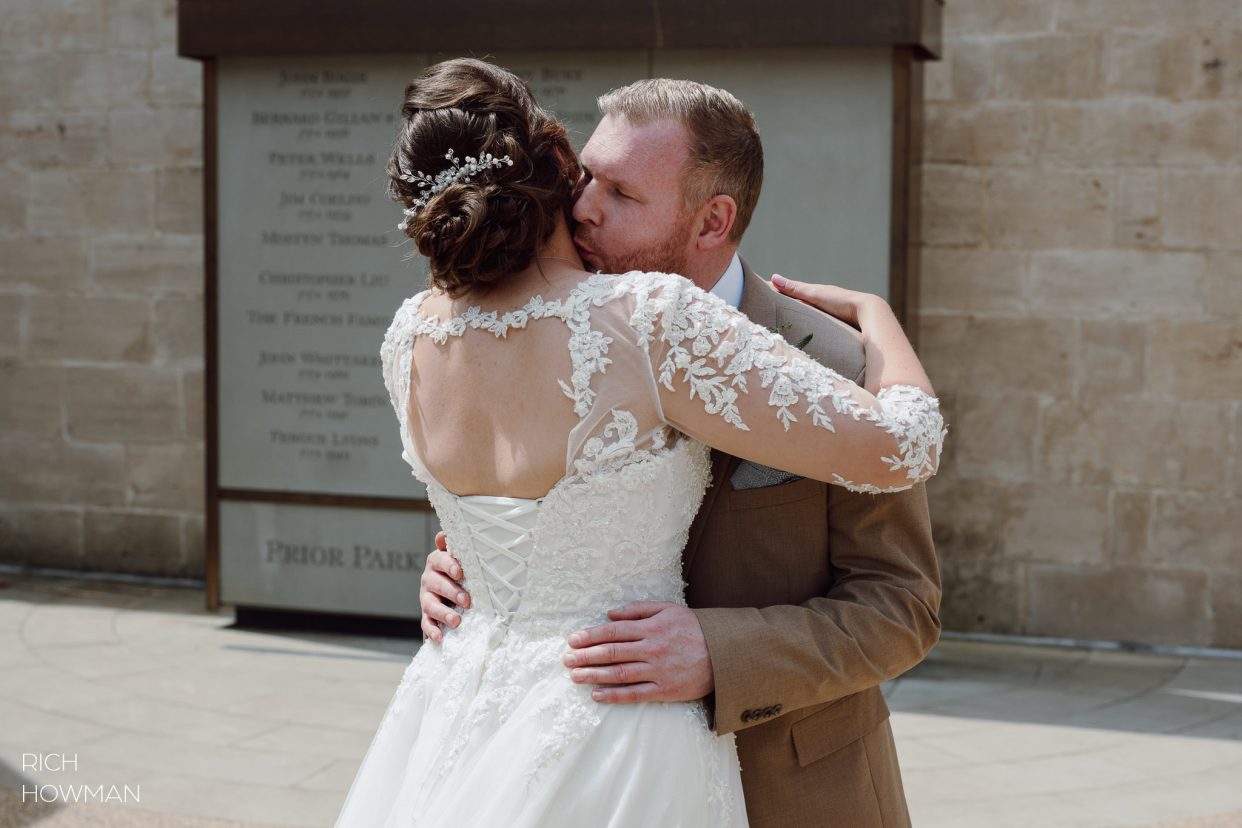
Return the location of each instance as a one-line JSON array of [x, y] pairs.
[[780, 329]]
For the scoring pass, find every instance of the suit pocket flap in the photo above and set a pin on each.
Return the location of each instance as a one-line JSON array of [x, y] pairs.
[[837, 725]]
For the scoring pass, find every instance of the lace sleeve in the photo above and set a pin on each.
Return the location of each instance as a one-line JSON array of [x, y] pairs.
[[738, 387]]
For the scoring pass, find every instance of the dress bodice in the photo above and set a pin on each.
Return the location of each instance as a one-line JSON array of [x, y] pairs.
[[591, 544]]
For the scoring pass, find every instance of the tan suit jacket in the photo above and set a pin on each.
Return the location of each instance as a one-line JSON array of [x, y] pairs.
[[810, 596]]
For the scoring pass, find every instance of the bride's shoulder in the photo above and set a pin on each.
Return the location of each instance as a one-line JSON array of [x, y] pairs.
[[406, 315]]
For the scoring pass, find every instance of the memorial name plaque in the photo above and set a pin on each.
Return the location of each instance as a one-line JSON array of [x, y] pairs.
[[314, 506], [311, 270]]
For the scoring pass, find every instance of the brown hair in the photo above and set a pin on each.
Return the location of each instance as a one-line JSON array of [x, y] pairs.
[[726, 155], [476, 231]]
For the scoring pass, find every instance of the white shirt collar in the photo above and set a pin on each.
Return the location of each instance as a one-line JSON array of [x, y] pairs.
[[730, 285]]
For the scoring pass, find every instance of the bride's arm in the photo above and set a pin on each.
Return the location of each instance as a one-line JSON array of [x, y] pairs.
[[738, 387]]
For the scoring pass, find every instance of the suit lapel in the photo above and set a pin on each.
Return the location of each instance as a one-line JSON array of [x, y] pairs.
[[757, 303]]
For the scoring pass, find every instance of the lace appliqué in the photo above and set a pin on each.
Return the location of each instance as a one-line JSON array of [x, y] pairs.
[[713, 349]]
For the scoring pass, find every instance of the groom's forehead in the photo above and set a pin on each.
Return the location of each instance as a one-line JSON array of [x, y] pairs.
[[621, 148]]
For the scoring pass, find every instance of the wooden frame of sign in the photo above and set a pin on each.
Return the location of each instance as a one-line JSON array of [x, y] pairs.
[[211, 29]]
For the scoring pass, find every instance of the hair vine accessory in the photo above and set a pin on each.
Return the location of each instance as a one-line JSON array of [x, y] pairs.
[[429, 186]]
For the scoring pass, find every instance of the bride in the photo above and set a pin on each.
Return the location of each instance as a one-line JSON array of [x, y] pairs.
[[561, 422]]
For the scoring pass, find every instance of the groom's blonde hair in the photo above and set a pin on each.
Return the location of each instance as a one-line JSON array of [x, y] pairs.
[[726, 155]]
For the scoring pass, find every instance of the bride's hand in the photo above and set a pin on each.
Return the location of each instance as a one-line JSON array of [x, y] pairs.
[[847, 305]]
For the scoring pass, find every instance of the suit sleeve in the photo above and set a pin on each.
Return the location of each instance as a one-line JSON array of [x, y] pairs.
[[879, 618]]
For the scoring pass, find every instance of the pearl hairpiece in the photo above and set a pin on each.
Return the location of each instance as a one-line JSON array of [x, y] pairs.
[[429, 186]]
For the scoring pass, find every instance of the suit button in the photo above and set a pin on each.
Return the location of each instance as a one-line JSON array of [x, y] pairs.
[[776, 709], [748, 715]]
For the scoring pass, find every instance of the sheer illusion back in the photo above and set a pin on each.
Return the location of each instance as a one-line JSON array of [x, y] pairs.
[[651, 357]]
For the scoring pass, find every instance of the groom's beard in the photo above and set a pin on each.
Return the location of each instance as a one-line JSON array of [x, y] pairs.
[[665, 256]]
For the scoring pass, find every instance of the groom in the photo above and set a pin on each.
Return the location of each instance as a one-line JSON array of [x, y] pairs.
[[803, 596]]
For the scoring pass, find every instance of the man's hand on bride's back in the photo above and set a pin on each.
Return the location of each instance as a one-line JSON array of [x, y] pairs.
[[649, 651], [440, 591]]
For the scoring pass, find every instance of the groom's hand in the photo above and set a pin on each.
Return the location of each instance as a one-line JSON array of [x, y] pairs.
[[439, 590], [650, 651]]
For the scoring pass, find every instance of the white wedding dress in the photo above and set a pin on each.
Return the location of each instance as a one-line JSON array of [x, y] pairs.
[[486, 728]]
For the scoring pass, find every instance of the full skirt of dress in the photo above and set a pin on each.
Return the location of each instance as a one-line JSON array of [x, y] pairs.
[[487, 729]]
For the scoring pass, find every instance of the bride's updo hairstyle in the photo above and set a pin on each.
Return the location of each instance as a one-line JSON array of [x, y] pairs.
[[476, 230]]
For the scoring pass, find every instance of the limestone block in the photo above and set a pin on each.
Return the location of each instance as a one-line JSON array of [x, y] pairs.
[[12, 311], [179, 329], [1218, 69], [1196, 531], [179, 200], [1199, 360], [175, 81], [952, 206], [132, 23], [1134, 442], [1131, 535], [165, 137], [54, 138], [51, 25], [1112, 359], [91, 201], [997, 17], [165, 24], [1120, 604], [970, 68], [194, 543], [45, 263], [193, 404], [166, 476], [1223, 283], [994, 434], [968, 516], [144, 265], [938, 79], [1201, 208], [1112, 15], [41, 536], [12, 198], [976, 354], [32, 395], [65, 79], [972, 279], [985, 134], [119, 541], [135, 404], [39, 470], [1038, 209], [97, 328], [1201, 134], [1118, 132], [1158, 63], [1138, 208], [1103, 283], [1227, 610], [983, 595], [1047, 67], [1053, 522]]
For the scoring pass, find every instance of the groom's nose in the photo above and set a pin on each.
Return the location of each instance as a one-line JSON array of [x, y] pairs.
[[586, 208]]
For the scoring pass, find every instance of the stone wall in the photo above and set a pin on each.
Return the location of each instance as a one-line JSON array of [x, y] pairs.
[[1082, 288], [101, 303], [1082, 315]]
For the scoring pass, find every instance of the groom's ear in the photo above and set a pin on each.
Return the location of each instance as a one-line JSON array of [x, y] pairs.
[[716, 221]]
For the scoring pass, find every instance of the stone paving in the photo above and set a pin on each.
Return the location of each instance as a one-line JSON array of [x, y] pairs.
[[216, 726]]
